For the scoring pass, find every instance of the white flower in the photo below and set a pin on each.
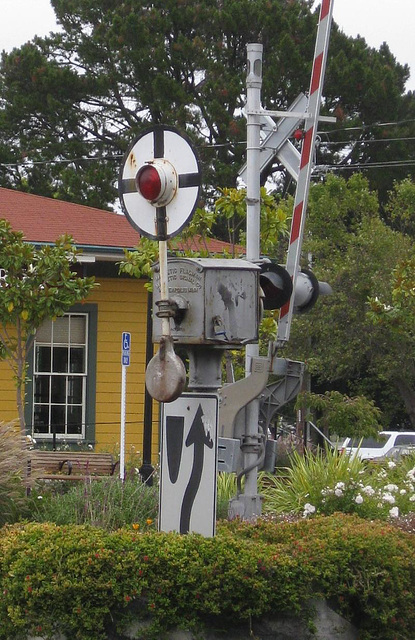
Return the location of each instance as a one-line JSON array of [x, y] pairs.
[[394, 512], [40, 497], [368, 490], [411, 475], [358, 499], [340, 485], [388, 497], [30, 441], [402, 492], [391, 464], [326, 492], [308, 509], [338, 493], [391, 488], [412, 498]]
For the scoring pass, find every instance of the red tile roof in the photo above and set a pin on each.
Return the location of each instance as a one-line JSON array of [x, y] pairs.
[[43, 220]]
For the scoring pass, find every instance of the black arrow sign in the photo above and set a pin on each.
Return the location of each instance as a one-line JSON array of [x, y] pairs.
[[198, 437]]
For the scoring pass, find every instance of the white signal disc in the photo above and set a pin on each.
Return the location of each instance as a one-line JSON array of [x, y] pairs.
[[160, 142]]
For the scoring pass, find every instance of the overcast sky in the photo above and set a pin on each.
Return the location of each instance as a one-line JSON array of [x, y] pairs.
[[391, 21]]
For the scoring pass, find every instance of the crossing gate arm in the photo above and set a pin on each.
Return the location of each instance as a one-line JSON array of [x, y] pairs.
[[306, 164]]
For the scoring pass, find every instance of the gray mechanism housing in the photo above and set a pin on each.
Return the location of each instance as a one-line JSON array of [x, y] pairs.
[[216, 301]]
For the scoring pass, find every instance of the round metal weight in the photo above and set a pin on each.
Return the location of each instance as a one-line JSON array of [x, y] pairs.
[[165, 374]]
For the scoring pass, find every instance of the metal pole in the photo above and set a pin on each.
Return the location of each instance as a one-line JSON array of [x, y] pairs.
[[251, 444], [147, 469], [122, 435], [164, 286]]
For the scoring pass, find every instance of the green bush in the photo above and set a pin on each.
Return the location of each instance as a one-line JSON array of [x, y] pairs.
[[365, 569], [105, 502], [77, 580]]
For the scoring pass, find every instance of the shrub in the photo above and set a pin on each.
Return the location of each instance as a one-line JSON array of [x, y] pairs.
[[77, 579], [365, 569], [105, 502], [109, 503]]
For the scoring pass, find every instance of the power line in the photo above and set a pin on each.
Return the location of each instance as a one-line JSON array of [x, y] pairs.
[[368, 165], [370, 141], [363, 127], [22, 163], [326, 143]]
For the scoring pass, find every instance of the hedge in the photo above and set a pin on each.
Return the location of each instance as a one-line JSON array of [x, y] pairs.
[[78, 580]]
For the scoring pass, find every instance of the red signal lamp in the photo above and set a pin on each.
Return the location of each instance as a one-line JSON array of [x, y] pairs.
[[157, 182], [148, 182], [298, 134]]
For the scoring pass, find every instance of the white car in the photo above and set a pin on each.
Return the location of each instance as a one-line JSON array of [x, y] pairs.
[[390, 444]]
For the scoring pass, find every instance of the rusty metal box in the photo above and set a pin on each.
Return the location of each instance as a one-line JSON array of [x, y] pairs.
[[217, 301]]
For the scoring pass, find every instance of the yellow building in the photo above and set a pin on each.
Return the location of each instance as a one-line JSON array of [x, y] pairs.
[[75, 367], [74, 392]]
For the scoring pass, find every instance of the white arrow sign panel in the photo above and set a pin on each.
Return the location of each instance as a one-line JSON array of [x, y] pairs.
[[189, 464]]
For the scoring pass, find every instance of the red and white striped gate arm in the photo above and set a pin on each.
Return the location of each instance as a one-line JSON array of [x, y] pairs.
[[303, 182]]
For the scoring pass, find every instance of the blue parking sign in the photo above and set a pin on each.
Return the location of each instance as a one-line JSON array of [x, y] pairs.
[[125, 349]]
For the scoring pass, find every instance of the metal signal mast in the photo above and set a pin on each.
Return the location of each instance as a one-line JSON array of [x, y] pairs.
[[277, 144]]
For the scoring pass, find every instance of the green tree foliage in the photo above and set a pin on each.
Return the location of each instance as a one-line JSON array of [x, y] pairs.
[[231, 207], [354, 250], [401, 206], [374, 114], [341, 415], [71, 103], [38, 284], [398, 314]]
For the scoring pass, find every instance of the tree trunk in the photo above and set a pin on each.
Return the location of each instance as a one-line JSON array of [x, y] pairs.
[[20, 379], [408, 397]]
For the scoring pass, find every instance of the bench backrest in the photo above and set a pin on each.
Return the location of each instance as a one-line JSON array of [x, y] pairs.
[[72, 462]]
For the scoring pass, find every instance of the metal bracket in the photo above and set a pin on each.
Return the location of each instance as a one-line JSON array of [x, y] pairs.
[[233, 397], [279, 393]]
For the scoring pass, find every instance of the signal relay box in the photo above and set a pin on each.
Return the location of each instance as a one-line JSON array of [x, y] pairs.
[[215, 301]]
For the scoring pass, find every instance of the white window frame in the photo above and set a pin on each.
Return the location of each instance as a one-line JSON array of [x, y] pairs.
[[61, 434]]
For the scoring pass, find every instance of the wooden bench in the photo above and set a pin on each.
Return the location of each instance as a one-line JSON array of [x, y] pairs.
[[70, 465]]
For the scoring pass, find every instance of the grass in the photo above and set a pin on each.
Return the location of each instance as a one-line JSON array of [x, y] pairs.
[[13, 459], [108, 503], [305, 479]]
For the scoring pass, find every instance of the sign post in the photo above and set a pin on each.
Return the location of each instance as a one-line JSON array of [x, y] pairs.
[[125, 362]]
